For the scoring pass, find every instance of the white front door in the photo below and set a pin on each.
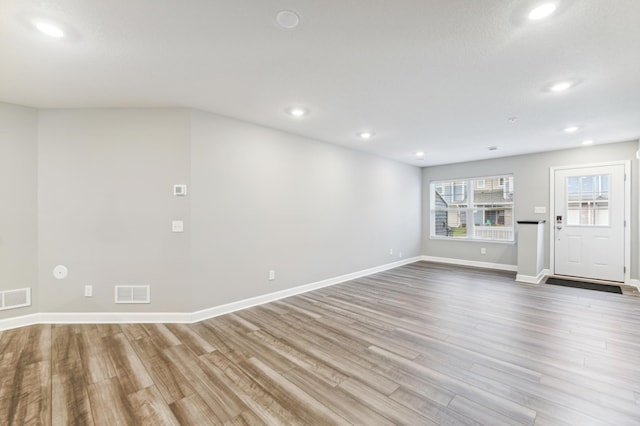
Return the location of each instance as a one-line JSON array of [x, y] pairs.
[[589, 222]]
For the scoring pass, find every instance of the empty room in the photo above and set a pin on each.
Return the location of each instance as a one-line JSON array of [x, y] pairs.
[[295, 212]]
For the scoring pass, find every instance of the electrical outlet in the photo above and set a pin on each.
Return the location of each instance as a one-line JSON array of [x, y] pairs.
[[390, 252], [272, 275], [400, 254], [88, 291], [483, 250], [180, 190]]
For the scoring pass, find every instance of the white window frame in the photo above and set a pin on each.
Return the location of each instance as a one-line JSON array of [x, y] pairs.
[[470, 210]]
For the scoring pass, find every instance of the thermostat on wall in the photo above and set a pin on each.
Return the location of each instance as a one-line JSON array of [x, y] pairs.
[[180, 190]]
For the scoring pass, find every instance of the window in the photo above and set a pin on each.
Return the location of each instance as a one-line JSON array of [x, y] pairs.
[[473, 209], [588, 200]]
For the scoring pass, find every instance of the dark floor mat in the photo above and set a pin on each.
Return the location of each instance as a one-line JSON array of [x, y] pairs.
[[584, 285]]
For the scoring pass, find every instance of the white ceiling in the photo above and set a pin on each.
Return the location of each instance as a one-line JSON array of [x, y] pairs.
[[441, 76]]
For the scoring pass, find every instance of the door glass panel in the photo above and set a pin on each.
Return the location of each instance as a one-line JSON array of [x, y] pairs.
[[588, 200]]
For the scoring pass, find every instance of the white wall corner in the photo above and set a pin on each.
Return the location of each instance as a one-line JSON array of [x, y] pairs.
[[533, 279], [635, 283], [474, 263]]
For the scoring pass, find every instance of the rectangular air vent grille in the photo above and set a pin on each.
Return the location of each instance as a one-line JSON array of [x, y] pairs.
[[11, 299], [133, 294]]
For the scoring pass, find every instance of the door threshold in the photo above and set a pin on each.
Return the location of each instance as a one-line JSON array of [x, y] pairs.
[[626, 288], [586, 280]]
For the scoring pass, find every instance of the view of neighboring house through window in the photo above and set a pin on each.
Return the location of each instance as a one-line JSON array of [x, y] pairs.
[[473, 209], [588, 200]]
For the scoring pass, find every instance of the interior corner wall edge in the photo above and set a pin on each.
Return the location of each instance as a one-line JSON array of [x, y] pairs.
[[531, 182], [19, 204], [266, 200]]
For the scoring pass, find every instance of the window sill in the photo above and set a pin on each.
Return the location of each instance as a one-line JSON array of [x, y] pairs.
[[471, 240]]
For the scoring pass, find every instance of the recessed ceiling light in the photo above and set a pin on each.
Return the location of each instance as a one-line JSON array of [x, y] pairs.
[[561, 86], [587, 142], [298, 112], [287, 19], [365, 135], [543, 11], [420, 154], [571, 129], [49, 29]]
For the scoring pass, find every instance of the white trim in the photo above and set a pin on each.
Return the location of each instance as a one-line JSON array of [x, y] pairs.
[[635, 283], [533, 279], [113, 317], [186, 317], [271, 297], [21, 321], [474, 263], [627, 211]]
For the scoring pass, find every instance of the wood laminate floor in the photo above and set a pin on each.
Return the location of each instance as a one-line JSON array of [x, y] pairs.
[[422, 344]]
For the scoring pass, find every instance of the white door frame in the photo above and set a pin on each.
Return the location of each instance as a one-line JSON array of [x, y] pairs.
[[627, 212]]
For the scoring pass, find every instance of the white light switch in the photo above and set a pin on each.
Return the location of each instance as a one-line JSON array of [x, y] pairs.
[[177, 226], [539, 209]]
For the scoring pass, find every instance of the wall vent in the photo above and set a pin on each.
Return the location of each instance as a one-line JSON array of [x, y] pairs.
[[11, 299], [133, 294]]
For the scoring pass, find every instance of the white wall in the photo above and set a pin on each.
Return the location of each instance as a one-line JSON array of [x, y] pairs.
[[97, 198], [264, 199], [18, 200], [91, 189], [531, 181], [106, 205]]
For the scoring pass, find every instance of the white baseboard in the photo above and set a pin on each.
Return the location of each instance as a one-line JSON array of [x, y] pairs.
[[271, 297], [186, 317], [635, 283], [21, 321], [533, 279], [474, 263], [113, 317]]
